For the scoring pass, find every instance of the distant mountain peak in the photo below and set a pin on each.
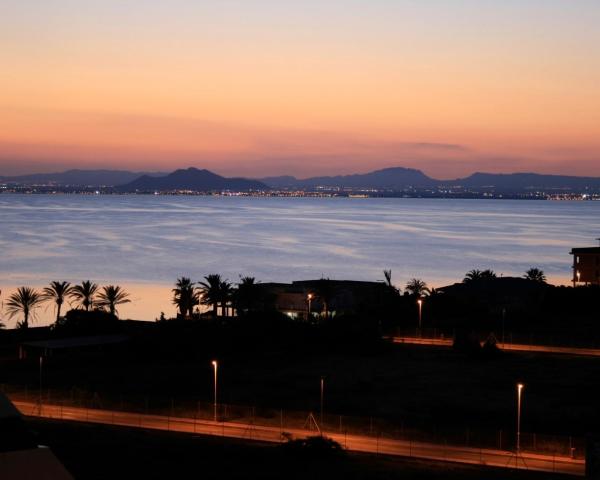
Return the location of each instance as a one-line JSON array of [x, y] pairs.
[[193, 179]]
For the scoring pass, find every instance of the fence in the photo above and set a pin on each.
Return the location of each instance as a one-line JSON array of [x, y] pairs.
[[286, 420], [562, 339]]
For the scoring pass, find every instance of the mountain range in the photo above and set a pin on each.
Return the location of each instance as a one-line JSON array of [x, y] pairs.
[[191, 179], [390, 179], [79, 178]]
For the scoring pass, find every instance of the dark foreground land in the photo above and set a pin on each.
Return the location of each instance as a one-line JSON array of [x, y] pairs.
[[422, 387], [94, 452]]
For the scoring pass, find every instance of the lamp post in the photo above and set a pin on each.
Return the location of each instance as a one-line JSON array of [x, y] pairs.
[[41, 365], [420, 303], [503, 320], [309, 298], [214, 364], [519, 390], [322, 388]]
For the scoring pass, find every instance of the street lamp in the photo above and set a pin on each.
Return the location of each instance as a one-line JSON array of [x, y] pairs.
[[309, 298], [322, 387], [420, 303], [214, 364], [41, 364], [519, 390]]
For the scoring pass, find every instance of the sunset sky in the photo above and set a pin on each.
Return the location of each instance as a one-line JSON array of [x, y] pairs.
[[306, 87]]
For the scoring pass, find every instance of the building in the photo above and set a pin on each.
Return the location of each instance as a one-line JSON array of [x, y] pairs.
[[298, 298], [586, 266]]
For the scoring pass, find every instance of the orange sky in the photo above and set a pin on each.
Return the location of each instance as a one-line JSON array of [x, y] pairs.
[[263, 87]]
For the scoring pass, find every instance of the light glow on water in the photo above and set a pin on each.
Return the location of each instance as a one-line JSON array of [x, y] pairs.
[[145, 242]]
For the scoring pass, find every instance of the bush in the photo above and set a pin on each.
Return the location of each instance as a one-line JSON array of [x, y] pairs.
[[80, 322], [316, 446]]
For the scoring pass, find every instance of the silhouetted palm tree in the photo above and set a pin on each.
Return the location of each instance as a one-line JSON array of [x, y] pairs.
[[85, 294], [324, 290], [472, 275], [535, 275], [111, 296], [416, 287], [388, 282], [247, 295], [24, 301], [487, 274], [477, 275], [57, 292], [225, 295], [185, 296], [210, 290]]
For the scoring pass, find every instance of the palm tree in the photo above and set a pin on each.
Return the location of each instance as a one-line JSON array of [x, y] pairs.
[[472, 276], [111, 296], [488, 274], [535, 275], [325, 292], [225, 294], [185, 297], [416, 287], [24, 301], [388, 282], [57, 292], [210, 289], [85, 294], [247, 295], [477, 275]]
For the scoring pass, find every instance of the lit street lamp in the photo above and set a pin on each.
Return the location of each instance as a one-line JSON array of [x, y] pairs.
[[519, 389], [214, 364], [309, 298], [420, 303]]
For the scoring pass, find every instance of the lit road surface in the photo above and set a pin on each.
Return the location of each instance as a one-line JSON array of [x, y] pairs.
[[518, 347], [497, 458]]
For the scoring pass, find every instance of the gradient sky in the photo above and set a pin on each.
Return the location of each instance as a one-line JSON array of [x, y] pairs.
[[308, 87]]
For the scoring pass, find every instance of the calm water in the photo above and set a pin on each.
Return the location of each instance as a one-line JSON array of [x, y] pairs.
[[145, 242]]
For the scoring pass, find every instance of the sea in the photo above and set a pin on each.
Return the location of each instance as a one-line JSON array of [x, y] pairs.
[[145, 242]]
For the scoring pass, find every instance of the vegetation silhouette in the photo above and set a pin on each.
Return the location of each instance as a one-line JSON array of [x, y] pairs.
[[185, 297], [535, 275], [211, 292], [85, 294], [110, 296], [78, 322], [25, 300], [58, 292], [324, 290], [416, 287], [479, 275]]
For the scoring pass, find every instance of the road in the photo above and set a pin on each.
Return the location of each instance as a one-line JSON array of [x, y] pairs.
[[447, 342], [359, 443]]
